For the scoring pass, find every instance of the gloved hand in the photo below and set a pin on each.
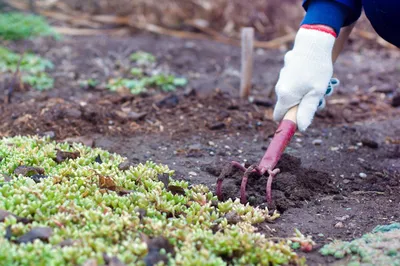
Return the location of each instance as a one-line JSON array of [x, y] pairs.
[[305, 76]]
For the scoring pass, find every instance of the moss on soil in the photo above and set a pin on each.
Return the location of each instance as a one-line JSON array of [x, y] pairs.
[[94, 208]]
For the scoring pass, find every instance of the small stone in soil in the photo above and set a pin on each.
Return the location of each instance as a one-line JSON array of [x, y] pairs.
[[189, 91], [363, 175], [317, 142], [338, 197], [396, 99], [217, 126], [232, 217], [339, 225], [73, 113], [49, 134], [124, 165], [343, 218], [195, 146], [169, 101], [136, 116], [85, 140], [369, 143], [194, 151]]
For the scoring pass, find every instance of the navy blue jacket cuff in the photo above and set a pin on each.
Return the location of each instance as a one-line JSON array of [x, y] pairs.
[[333, 13]]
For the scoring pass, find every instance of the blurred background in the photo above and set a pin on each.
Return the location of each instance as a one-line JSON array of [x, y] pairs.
[[216, 19]]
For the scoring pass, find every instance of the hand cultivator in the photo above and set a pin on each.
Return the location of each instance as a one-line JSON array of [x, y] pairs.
[[282, 137]]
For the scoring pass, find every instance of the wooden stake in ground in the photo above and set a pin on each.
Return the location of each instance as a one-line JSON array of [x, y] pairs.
[[247, 61], [32, 6]]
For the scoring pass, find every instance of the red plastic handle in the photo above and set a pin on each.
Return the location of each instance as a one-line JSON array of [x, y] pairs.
[[281, 139]]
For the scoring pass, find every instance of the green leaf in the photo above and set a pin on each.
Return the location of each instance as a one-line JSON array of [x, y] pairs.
[[32, 68], [18, 26], [296, 245], [180, 81], [41, 81], [143, 58], [137, 72]]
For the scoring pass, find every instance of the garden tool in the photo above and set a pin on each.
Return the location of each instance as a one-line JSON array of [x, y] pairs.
[[281, 139]]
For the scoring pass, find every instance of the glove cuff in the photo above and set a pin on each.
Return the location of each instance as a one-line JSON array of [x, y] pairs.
[[321, 28], [316, 45]]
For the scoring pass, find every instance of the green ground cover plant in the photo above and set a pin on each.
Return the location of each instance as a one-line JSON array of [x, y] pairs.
[[143, 76], [19, 26], [32, 68], [64, 204], [380, 247]]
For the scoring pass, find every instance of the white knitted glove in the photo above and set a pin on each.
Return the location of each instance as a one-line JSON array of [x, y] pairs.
[[305, 76]]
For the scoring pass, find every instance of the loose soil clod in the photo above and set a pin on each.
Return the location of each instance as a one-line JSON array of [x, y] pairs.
[[154, 255], [4, 214], [28, 170], [176, 190], [40, 233], [61, 156], [125, 165]]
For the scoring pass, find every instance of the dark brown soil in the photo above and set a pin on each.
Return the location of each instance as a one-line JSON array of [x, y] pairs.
[[345, 168]]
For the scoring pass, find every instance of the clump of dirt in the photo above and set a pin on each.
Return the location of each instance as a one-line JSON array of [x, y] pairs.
[[290, 188]]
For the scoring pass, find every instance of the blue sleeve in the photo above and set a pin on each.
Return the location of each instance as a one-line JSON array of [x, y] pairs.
[[333, 13]]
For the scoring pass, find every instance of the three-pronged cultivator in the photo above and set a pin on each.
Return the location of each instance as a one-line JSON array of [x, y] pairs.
[[281, 139]]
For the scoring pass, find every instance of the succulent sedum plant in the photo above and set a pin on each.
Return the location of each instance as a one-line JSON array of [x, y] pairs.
[[380, 247], [61, 205]]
